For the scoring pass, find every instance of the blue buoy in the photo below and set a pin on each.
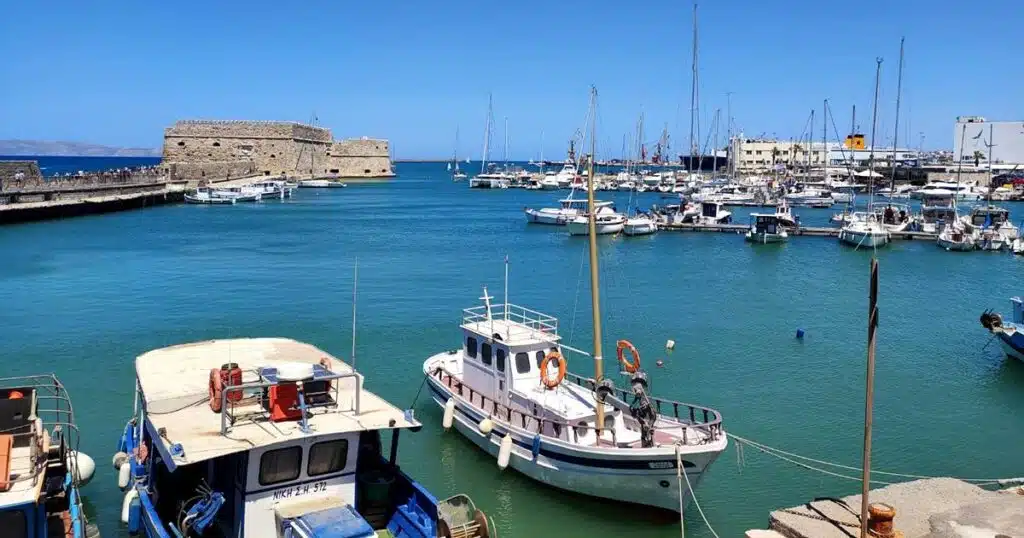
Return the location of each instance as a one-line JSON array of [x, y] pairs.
[[800, 334]]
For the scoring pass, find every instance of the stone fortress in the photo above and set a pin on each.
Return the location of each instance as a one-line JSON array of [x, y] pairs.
[[197, 150]]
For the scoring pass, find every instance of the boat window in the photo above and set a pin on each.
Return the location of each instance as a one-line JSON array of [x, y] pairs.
[[557, 428], [280, 465], [471, 347], [581, 429], [540, 358], [327, 457], [523, 362], [500, 359], [485, 353], [13, 523]]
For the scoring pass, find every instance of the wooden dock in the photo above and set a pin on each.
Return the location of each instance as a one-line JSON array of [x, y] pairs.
[[812, 231]]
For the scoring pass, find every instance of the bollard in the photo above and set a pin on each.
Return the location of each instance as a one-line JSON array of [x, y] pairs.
[[880, 520]]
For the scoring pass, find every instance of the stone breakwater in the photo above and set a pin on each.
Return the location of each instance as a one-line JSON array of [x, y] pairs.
[[197, 150]]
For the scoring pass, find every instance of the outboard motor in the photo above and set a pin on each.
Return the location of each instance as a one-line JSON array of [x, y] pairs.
[[991, 320]]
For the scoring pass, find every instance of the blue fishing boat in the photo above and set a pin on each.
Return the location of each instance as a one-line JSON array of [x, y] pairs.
[[270, 438], [41, 468], [1009, 333]]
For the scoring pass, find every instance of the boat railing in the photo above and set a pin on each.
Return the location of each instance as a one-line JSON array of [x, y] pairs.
[[532, 319], [701, 418], [233, 412], [514, 417], [53, 414]]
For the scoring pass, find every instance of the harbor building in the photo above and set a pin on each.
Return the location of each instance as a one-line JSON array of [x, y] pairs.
[[1005, 137], [759, 154], [195, 150]]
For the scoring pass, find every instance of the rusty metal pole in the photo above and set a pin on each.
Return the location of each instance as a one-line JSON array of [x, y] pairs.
[[869, 396]]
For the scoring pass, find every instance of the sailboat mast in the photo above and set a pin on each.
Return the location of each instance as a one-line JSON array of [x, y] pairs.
[[824, 138], [487, 133], [693, 92], [896, 135], [810, 143], [875, 118], [595, 301], [455, 152]]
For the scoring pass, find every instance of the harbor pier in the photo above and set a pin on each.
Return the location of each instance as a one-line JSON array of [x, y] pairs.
[[813, 231], [25, 195]]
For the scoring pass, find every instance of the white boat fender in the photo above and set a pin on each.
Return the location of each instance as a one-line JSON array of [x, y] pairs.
[[449, 414], [119, 458], [85, 465], [124, 475], [505, 451], [486, 426], [535, 450], [126, 504]]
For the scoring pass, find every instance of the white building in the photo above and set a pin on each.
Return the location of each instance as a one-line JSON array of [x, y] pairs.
[[1006, 138], [884, 157], [757, 154]]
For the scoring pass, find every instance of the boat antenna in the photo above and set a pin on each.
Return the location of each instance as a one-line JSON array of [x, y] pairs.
[[896, 135], [355, 286], [506, 290], [595, 299]]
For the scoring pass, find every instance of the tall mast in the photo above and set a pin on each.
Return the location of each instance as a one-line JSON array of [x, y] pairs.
[[487, 133], [810, 143], [693, 92], [896, 135], [853, 131], [455, 152], [595, 300], [824, 139], [506, 142], [874, 120]]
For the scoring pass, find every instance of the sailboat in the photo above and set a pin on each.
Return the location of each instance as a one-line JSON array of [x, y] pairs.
[[457, 175], [637, 222], [508, 390], [864, 229], [487, 179], [955, 236]]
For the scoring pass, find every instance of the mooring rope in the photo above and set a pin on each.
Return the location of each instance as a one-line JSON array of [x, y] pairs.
[[681, 471], [799, 460]]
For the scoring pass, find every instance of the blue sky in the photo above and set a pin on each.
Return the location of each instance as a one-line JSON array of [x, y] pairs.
[[118, 72]]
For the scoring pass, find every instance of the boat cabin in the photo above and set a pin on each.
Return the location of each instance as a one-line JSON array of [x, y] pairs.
[[581, 204], [39, 475], [504, 347], [765, 223], [265, 438], [937, 214], [989, 216]]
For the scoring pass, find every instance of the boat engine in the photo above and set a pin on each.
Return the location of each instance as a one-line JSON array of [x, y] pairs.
[[991, 320], [642, 410]]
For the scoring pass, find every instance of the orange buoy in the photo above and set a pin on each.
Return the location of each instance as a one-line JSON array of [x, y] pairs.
[[544, 378], [630, 366], [216, 387]]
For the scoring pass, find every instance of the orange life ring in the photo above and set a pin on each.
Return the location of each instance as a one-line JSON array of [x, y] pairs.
[[544, 378], [216, 387], [630, 366]]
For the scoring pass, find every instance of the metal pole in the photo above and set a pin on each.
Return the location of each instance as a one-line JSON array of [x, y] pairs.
[[874, 121], [595, 300], [355, 285], [896, 135], [869, 396]]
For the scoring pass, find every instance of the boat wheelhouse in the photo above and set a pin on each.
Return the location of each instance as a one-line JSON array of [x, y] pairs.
[[41, 468], [496, 391], [766, 228], [263, 438]]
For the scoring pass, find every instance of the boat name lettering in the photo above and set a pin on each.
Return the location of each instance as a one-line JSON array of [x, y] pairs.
[[661, 465], [302, 489]]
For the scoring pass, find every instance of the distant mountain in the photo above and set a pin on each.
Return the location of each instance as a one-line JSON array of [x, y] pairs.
[[73, 149]]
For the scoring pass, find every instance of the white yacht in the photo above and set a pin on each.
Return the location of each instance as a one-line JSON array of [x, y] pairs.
[[713, 213], [569, 209], [962, 192], [864, 231], [992, 218], [549, 182], [208, 196], [640, 224], [955, 237], [322, 184], [894, 217], [606, 221], [275, 188], [566, 177], [936, 210]]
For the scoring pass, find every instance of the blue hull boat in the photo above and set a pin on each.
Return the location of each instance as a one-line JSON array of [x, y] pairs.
[[1010, 334]]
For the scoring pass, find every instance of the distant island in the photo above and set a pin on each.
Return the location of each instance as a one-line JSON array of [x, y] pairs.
[[70, 149]]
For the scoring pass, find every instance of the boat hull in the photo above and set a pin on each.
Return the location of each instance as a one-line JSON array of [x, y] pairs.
[[613, 478], [639, 228], [1012, 344], [765, 238], [602, 228], [863, 239], [955, 246], [534, 216]]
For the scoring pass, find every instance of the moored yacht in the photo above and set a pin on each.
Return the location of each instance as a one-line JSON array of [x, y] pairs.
[[766, 228], [268, 437], [864, 230], [570, 209], [640, 224], [321, 184], [954, 236], [713, 213], [606, 222], [274, 188]]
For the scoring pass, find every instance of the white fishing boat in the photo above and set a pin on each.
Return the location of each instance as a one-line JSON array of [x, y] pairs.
[[208, 196], [242, 193], [785, 215], [766, 228], [864, 231], [607, 222], [266, 438], [713, 213], [508, 390], [321, 184], [954, 237], [274, 188], [640, 224], [549, 182], [569, 209]]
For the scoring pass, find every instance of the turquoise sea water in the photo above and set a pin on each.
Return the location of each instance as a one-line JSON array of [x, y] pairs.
[[83, 297]]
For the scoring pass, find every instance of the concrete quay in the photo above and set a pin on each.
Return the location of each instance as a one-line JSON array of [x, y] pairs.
[[799, 231], [88, 205], [929, 508]]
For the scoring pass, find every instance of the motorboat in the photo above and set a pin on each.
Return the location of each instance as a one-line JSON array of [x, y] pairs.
[[936, 210], [1009, 333], [490, 181], [273, 189], [994, 218], [241, 193], [321, 184], [41, 468], [864, 231], [901, 192], [810, 197], [626, 186], [640, 224], [549, 182], [569, 209], [960, 191], [955, 237], [713, 213], [785, 215], [566, 176], [606, 221], [766, 228], [208, 196], [894, 217], [268, 437]]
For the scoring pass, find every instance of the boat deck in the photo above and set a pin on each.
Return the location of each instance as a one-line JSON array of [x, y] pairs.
[[174, 382]]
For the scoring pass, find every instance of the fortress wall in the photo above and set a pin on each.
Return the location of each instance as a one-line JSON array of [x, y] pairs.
[[360, 147], [210, 170], [26, 171]]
